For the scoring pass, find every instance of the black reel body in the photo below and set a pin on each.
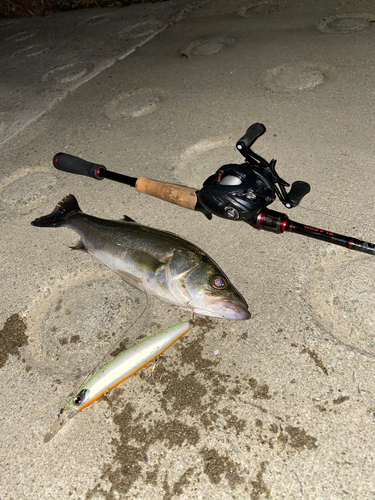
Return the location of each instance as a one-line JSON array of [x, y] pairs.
[[239, 192]]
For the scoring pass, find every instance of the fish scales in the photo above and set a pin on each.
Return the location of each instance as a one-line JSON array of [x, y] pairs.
[[118, 244], [158, 262]]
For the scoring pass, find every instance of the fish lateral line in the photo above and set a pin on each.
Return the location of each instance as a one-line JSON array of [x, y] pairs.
[[146, 255]]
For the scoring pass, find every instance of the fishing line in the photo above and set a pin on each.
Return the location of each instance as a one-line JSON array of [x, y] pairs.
[[343, 219], [326, 214], [111, 349]]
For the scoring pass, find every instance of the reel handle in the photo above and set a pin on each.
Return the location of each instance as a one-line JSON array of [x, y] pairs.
[[252, 134], [298, 190]]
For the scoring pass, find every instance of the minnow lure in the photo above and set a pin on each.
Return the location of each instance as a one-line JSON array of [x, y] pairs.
[[119, 369]]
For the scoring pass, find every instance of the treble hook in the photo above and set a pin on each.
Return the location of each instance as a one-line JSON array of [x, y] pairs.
[[111, 405], [151, 374]]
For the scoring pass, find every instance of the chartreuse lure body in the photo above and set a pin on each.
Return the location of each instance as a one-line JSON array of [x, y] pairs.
[[119, 369]]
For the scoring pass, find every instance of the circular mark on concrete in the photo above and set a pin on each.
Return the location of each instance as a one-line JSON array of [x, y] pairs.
[[140, 30], [297, 76], [340, 294], [205, 157], [133, 104], [78, 326], [31, 51], [207, 46], [25, 191], [20, 36], [346, 23], [68, 73], [259, 9]]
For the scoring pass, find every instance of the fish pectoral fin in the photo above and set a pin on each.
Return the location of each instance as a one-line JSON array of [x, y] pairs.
[[79, 246], [130, 279], [146, 260]]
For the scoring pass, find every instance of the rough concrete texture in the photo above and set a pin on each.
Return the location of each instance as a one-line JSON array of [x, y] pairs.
[[281, 406]]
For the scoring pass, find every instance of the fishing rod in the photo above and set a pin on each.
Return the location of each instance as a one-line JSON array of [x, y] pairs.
[[235, 192]]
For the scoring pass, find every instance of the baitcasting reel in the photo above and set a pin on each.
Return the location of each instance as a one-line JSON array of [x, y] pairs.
[[239, 192]]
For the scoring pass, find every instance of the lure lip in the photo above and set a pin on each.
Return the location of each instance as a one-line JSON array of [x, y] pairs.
[[64, 416]]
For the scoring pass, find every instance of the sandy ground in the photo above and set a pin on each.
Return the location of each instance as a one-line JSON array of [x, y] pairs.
[[281, 406]]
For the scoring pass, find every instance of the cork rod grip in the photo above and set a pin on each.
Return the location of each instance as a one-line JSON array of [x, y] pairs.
[[173, 193]]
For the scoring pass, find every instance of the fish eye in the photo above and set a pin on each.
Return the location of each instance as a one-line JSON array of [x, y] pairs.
[[218, 282]]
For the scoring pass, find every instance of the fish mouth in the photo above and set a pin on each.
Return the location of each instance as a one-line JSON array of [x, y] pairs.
[[228, 309], [235, 309]]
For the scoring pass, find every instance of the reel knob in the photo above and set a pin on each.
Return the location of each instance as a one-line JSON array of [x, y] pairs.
[[232, 213]]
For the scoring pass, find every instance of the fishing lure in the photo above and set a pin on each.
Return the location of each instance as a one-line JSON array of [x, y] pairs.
[[119, 369]]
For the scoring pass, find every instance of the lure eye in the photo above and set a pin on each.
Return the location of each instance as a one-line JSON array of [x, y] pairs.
[[218, 282], [80, 398]]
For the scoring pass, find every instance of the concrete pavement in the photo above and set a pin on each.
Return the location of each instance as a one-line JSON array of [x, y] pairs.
[[281, 406]]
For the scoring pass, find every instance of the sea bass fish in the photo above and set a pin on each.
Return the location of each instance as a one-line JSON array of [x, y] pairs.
[[157, 262]]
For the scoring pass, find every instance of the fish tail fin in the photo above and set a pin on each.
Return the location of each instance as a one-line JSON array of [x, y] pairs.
[[66, 207]]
